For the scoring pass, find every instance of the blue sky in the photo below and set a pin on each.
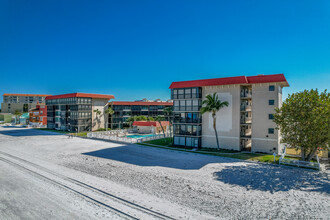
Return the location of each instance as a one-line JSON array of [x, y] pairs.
[[135, 49]]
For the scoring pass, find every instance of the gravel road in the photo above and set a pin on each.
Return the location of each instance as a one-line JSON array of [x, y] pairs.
[[176, 184]]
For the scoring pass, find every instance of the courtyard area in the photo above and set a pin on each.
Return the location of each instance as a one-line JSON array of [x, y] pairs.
[[48, 175]]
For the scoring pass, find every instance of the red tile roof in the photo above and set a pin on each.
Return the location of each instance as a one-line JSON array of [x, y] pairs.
[[9, 94], [150, 123], [231, 81], [141, 103], [267, 79], [82, 95]]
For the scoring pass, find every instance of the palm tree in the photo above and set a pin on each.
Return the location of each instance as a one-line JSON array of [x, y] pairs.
[[213, 105], [130, 121], [98, 112], [160, 119], [168, 111], [17, 114], [108, 112]]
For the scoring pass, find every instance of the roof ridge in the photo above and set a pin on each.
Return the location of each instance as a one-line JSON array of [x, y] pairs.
[[230, 81]]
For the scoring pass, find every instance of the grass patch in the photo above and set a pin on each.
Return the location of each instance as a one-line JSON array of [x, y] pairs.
[[260, 157], [80, 134], [167, 142]]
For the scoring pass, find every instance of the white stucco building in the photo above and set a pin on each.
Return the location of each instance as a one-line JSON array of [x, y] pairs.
[[246, 124]]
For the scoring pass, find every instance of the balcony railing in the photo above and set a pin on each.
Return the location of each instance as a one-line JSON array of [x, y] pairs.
[[246, 94], [185, 120], [246, 120], [187, 108], [246, 108], [246, 134]]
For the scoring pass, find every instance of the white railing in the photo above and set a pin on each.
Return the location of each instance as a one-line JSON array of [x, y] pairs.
[[121, 136], [37, 126], [299, 163]]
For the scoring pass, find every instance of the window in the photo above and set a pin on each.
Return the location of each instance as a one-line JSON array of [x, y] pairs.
[[182, 141], [177, 129], [187, 93], [271, 88], [25, 108], [194, 118], [189, 118], [189, 142], [176, 140], [182, 129], [182, 118], [188, 105], [194, 130], [182, 105], [189, 130], [270, 130], [270, 116], [195, 105], [195, 142], [194, 93], [177, 117], [180, 94], [174, 94], [271, 102]]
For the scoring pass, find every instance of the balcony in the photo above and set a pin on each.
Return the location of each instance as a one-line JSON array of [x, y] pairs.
[[245, 144], [246, 120], [246, 95], [246, 134], [246, 108]]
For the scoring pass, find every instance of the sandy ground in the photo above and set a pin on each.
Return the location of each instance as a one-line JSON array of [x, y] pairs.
[[22, 197], [179, 184]]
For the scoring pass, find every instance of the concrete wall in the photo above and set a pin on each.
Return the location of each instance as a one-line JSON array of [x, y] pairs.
[[228, 118], [98, 121], [145, 129], [261, 140]]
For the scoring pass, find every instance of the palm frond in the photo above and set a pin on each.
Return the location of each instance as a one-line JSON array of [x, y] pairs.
[[212, 103]]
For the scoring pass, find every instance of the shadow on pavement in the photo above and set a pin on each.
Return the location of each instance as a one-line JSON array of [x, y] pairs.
[[274, 178]]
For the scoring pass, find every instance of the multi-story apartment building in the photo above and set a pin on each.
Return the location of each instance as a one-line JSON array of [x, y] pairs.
[[38, 115], [126, 109], [75, 111], [246, 124], [20, 102]]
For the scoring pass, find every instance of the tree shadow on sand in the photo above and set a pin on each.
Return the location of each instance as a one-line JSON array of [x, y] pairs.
[[274, 178], [149, 156]]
